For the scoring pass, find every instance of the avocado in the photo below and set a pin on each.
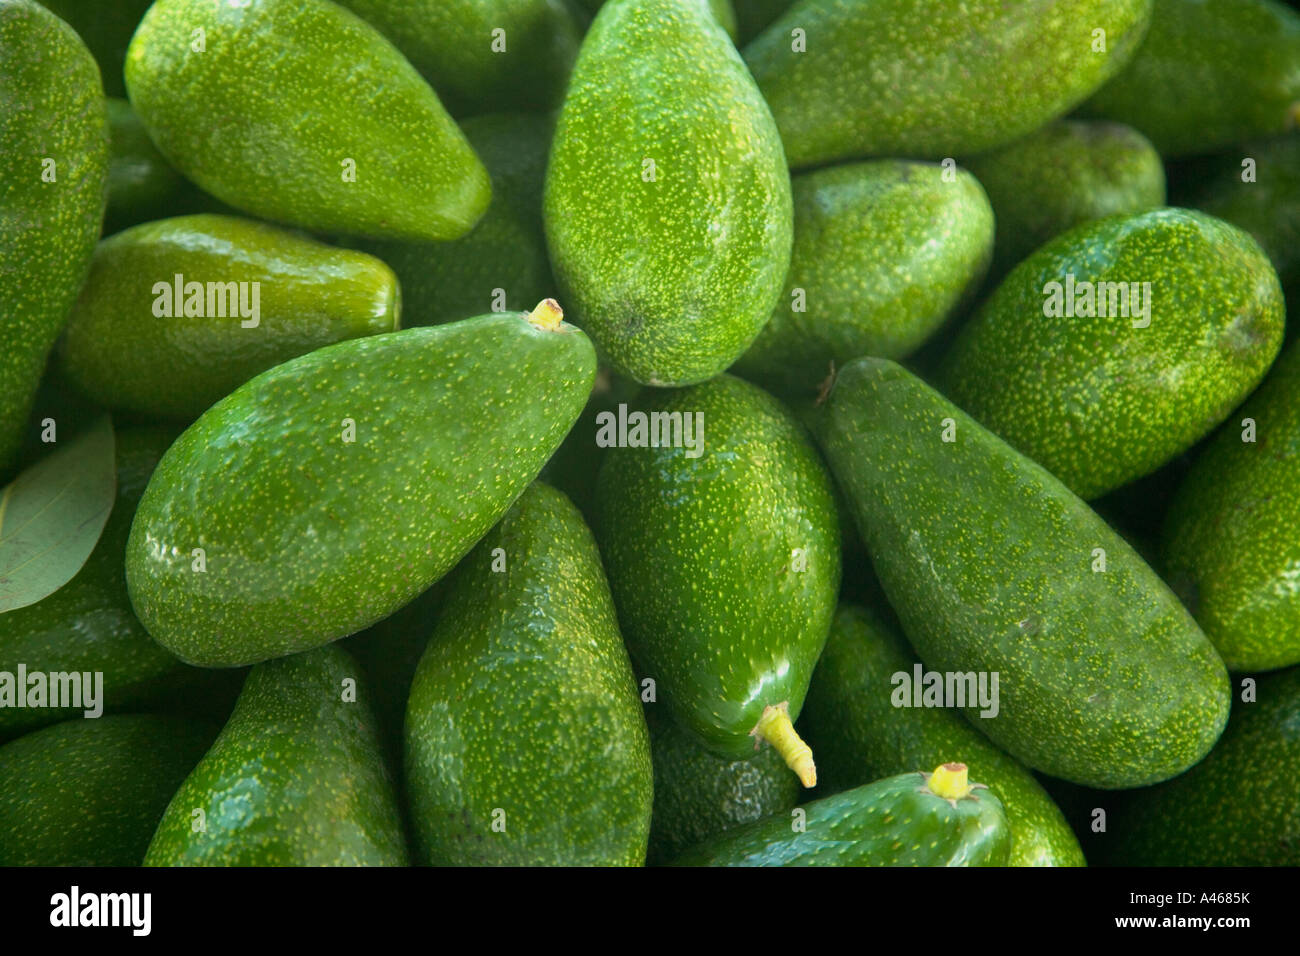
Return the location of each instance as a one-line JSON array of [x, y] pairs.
[[105, 27], [1230, 545], [301, 112], [722, 545], [927, 80], [178, 313], [1067, 173], [1147, 330], [912, 819], [699, 795], [294, 779], [884, 252], [1240, 806], [141, 183], [328, 492], [995, 567], [502, 264], [53, 168], [90, 792], [525, 743], [667, 200], [723, 11], [862, 729], [1210, 74]]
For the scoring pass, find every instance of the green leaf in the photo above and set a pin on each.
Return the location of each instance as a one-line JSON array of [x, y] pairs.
[[52, 515]]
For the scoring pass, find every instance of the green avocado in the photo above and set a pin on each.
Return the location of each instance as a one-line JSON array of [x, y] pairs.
[[862, 727], [301, 112], [296, 777], [722, 544], [90, 792], [328, 492], [178, 313], [1067, 173], [1119, 344], [995, 567], [723, 11], [53, 169], [142, 185], [1230, 545], [931, 79], [667, 201], [1210, 74], [525, 743], [884, 252], [106, 27]]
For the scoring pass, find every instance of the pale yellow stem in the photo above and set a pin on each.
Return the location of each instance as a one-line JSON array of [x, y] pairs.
[[775, 727]]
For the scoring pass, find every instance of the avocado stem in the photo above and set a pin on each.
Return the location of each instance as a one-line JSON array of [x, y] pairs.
[[950, 781], [775, 727], [547, 316]]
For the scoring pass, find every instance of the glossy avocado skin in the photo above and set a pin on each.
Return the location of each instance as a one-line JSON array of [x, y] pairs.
[[1104, 678], [1209, 74], [118, 349], [858, 735], [54, 125], [524, 704], [296, 777], [929, 79], [672, 269], [1067, 173], [309, 537], [896, 821], [701, 555], [884, 252], [1100, 401], [333, 90], [1230, 548], [89, 792]]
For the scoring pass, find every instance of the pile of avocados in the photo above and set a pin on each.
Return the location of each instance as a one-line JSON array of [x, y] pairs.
[[669, 432]]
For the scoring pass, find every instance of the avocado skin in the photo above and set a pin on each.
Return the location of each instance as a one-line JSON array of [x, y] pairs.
[[142, 185], [723, 11], [332, 88], [525, 702], [700, 553], [446, 281], [884, 252], [309, 538], [296, 777], [1096, 401], [1240, 806], [1230, 547], [699, 795], [53, 110], [89, 792], [1104, 678], [105, 26], [858, 736], [1067, 173], [929, 79], [119, 352], [891, 822], [1209, 74], [672, 278]]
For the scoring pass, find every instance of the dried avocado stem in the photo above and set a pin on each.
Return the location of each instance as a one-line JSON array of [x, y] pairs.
[[775, 727], [547, 316], [950, 781]]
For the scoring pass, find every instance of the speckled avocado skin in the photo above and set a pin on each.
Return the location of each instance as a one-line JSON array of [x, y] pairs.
[[673, 277], [1104, 678], [883, 253], [309, 537], [53, 112], [119, 351], [892, 822], [930, 79], [90, 792], [858, 735], [525, 703], [1230, 545], [1100, 401], [295, 778], [699, 794], [285, 94], [1209, 73], [105, 26], [701, 554], [723, 11], [1239, 807], [1067, 173]]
